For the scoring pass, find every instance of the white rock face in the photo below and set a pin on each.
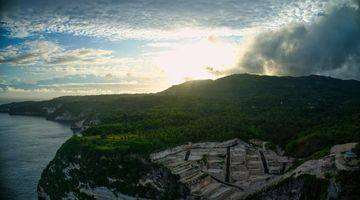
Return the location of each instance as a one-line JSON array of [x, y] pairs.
[[222, 170], [340, 148], [69, 168], [64, 117], [315, 167], [49, 110], [42, 194], [70, 196]]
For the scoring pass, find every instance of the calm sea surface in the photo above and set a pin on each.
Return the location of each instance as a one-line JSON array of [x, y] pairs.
[[27, 145]]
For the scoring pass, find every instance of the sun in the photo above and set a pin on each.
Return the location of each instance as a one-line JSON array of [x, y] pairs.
[[204, 59]]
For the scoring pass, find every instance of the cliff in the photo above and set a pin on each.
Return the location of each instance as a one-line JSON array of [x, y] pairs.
[[79, 172], [305, 116]]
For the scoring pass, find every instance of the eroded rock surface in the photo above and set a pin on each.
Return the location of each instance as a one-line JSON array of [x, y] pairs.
[[226, 170]]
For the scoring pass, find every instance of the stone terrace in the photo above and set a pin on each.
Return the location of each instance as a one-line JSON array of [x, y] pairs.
[[214, 170]]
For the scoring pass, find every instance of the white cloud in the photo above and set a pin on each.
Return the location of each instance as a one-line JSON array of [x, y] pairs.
[[42, 52], [155, 19], [167, 58]]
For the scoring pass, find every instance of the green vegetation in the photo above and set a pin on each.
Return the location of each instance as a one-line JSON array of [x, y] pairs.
[[323, 136], [303, 115], [349, 182], [160, 129], [319, 154], [270, 146], [110, 162]]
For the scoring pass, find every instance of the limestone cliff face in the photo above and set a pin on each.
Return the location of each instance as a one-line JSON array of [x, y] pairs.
[[79, 173], [79, 118], [302, 187], [344, 185]]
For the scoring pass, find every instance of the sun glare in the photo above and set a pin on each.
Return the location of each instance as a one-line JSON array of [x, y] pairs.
[[201, 60]]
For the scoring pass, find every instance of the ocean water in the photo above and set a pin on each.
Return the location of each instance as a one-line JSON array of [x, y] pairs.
[[27, 145]]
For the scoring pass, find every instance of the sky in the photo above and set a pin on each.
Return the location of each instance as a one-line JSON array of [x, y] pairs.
[[55, 48]]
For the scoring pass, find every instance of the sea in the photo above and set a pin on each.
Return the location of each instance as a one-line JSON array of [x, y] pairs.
[[27, 145]]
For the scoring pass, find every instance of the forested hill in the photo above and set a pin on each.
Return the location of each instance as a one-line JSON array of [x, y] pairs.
[[253, 87], [302, 114]]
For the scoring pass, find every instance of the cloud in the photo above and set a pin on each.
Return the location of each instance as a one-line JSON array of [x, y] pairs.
[[87, 84], [185, 40], [153, 19], [54, 92], [86, 79], [329, 46], [30, 52], [42, 52]]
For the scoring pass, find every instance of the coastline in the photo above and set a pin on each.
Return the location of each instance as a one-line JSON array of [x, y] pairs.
[[28, 144]]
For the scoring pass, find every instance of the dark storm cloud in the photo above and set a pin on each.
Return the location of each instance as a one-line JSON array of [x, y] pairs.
[[329, 46]]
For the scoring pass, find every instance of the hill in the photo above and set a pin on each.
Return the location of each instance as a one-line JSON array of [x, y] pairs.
[[303, 115]]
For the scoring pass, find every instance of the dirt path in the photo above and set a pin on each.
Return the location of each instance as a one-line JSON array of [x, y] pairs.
[[187, 155], [263, 160]]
